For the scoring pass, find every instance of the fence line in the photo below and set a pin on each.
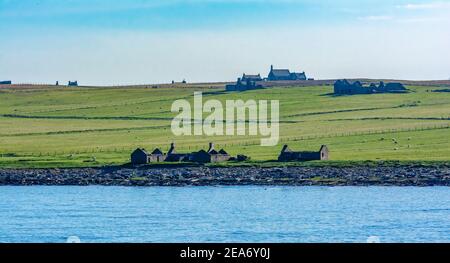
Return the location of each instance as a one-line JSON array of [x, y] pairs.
[[116, 149]]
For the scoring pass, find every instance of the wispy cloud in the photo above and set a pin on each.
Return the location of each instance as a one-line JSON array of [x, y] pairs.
[[429, 19], [425, 6], [419, 12], [376, 18]]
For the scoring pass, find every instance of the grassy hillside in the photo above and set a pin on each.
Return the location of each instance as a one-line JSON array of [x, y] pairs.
[[49, 126]]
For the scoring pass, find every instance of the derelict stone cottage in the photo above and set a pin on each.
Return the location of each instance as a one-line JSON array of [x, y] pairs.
[[345, 87], [342, 87], [288, 155], [173, 156], [139, 156], [156, 156], [210, 156]]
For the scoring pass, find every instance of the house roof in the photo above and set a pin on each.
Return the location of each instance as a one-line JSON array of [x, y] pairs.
[[251, 76], [157, 151], [140, 150], [213, 152], [346, 83], [222, 151], [302, 74], [281, 72]]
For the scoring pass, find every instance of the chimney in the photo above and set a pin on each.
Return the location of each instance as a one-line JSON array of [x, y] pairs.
[[172, 148], [271, 67], [211, 146]]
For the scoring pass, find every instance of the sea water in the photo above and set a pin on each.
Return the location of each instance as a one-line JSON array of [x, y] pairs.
[[224, 214]]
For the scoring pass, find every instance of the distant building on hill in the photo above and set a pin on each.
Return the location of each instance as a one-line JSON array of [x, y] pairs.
[[243, 85], [255, 78], [298, 76], [279, 74], [284, 74], [6, 82], [250, 82], [344, 87], [288, 155], [72, 83]]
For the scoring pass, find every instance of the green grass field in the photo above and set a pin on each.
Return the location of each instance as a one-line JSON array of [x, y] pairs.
[[72, 127]]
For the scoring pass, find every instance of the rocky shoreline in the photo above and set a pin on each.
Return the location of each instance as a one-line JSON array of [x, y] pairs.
[[203, 176]]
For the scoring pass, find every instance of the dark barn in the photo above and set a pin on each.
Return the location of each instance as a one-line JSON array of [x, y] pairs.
[[139, 156], [288, 155]]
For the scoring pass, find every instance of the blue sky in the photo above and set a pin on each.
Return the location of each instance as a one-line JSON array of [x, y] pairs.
[[152, 41]]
